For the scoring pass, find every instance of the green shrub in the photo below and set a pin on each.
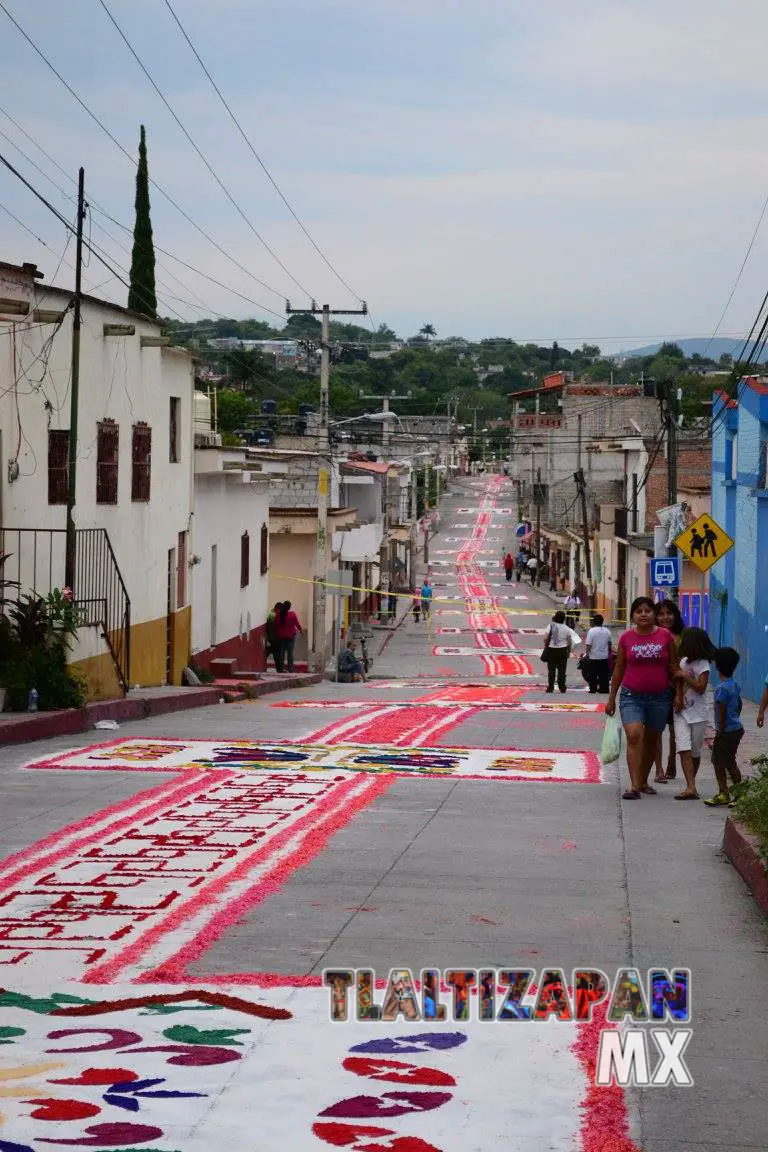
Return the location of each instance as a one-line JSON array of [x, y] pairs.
[[47, 672], [751, 805]]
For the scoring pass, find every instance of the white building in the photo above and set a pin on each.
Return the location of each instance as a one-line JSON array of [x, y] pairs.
[[230, 565], [134, 481]]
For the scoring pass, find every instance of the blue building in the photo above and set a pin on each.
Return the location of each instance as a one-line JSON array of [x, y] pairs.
[[739, 582]]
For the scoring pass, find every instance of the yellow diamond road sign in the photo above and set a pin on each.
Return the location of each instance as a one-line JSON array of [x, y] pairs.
[[704, 542]]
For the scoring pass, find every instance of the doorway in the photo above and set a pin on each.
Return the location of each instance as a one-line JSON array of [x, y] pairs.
[[169, 613], [214, 591]]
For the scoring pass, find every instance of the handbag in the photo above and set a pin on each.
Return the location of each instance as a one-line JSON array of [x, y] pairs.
[[545, 655]]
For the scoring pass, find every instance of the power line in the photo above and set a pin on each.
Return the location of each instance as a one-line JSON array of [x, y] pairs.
[[256, 156], [131, 160], [202, 156], [96, 207], [740, 274]]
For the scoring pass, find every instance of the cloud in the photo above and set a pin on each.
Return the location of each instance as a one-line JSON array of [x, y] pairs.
[[576, 171]]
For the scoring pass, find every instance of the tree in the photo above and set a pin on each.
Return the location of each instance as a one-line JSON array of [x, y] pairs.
[[427, 330], [141, 294], [673, 351], [299, 326]]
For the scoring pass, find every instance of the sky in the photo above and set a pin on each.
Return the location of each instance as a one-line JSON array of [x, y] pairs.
[[589, 172]]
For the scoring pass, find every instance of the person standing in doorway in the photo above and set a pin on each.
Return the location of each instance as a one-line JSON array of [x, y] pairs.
[[598, 642], [560, 640], [287, 629], [509, 565], [644, 671]]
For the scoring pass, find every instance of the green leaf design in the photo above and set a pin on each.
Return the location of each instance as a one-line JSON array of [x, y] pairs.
[[6, 1033], [41, 1005], [188, 1034]]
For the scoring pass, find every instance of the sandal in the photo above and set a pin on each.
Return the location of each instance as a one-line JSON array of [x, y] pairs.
[[631, 794], [648, 791], [686, 795], [660, 779]]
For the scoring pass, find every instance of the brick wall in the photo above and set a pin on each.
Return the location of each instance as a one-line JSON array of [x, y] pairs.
[[694, 466]]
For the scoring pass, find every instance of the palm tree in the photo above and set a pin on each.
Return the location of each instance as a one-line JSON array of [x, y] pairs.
[[427, 330]]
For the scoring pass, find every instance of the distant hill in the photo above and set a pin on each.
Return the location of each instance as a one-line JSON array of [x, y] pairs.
[[691, 347]]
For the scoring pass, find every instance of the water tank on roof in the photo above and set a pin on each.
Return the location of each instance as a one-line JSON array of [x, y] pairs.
[[299, 427], [304, 410], [269, 407], [371, 456], [202, 412], [263, 437]]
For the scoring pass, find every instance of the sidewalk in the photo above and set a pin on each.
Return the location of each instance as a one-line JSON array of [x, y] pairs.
[[21, 727]]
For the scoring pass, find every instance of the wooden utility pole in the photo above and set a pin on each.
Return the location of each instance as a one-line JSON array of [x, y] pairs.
[[538, 502], [71, 534], [671, 421], [323, 475], [581, 488]]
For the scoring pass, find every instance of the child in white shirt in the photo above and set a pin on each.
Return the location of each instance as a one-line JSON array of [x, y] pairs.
[[691, 714]]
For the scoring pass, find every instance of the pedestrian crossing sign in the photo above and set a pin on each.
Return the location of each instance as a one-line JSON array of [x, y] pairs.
[[704, 542]]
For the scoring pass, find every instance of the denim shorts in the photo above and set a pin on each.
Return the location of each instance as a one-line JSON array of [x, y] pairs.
[[648, 708]]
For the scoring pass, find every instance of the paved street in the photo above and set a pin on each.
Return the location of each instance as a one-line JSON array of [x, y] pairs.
[[447, 814]]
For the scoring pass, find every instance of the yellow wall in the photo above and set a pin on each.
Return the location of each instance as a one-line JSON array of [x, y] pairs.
[[148, 656]]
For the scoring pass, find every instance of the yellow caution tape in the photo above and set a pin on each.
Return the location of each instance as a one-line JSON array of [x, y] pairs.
[[476, 604]]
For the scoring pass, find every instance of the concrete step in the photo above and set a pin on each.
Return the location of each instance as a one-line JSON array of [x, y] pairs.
[[224, 666]]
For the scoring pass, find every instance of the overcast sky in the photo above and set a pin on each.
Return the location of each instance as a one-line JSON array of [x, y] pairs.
[[572, 171]]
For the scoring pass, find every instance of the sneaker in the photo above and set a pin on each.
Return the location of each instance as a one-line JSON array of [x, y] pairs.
[[722, 799]]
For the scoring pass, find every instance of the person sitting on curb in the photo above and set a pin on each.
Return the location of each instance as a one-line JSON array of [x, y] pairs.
[[349, 668]]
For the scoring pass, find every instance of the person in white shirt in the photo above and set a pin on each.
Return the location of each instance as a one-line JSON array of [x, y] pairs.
[[691, 714], [598, 641], [572, 608], [533, 569], [560, 640]]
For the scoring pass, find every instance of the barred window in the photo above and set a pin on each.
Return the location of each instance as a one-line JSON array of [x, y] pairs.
[[107, 444], [141, 461], [58, 466], [264, 550], [173, 429], [245, 560], [181, 575]]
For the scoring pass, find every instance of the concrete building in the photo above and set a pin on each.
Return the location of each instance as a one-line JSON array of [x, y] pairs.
[[134, 485], [739, 607], [230, 566]]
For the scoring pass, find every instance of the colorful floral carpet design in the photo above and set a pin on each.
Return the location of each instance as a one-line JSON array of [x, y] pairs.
[[108, 1042], [133, 1072]]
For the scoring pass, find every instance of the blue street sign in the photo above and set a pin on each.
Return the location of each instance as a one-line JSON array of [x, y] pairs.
[[665, 572], [524, 529]]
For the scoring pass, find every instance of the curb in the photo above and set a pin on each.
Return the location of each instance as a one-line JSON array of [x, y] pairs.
[[742, 849], [20, 728]]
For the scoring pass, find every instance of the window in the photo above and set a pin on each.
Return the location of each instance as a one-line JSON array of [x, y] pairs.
[[173, 430], [264, 550], [245, 560], [107, 444], [181, 574], [141, 461], [58, 466], [634, 501]]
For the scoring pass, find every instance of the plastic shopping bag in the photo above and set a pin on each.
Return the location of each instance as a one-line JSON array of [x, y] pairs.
[[611, 748]]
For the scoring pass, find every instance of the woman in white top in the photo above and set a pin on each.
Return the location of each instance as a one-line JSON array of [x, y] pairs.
[[598, 641], [691, 714], [560, 640], [572, 608]]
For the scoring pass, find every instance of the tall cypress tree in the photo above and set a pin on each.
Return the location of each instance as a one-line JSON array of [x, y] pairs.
[[141, 296]]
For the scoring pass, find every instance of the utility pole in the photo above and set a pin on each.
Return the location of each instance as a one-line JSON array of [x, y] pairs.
[[71, 534], [581, 488], [323, 475], [671, 421], [537, 497]]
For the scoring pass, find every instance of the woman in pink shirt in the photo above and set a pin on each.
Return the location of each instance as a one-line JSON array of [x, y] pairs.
[[287, 628], [645, 663]]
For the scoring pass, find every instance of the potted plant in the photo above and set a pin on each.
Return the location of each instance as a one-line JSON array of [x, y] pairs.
[[36, 634]]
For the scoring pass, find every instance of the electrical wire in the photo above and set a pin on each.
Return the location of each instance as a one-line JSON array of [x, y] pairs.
[[166, 195], [258, 158], [202, 156]]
